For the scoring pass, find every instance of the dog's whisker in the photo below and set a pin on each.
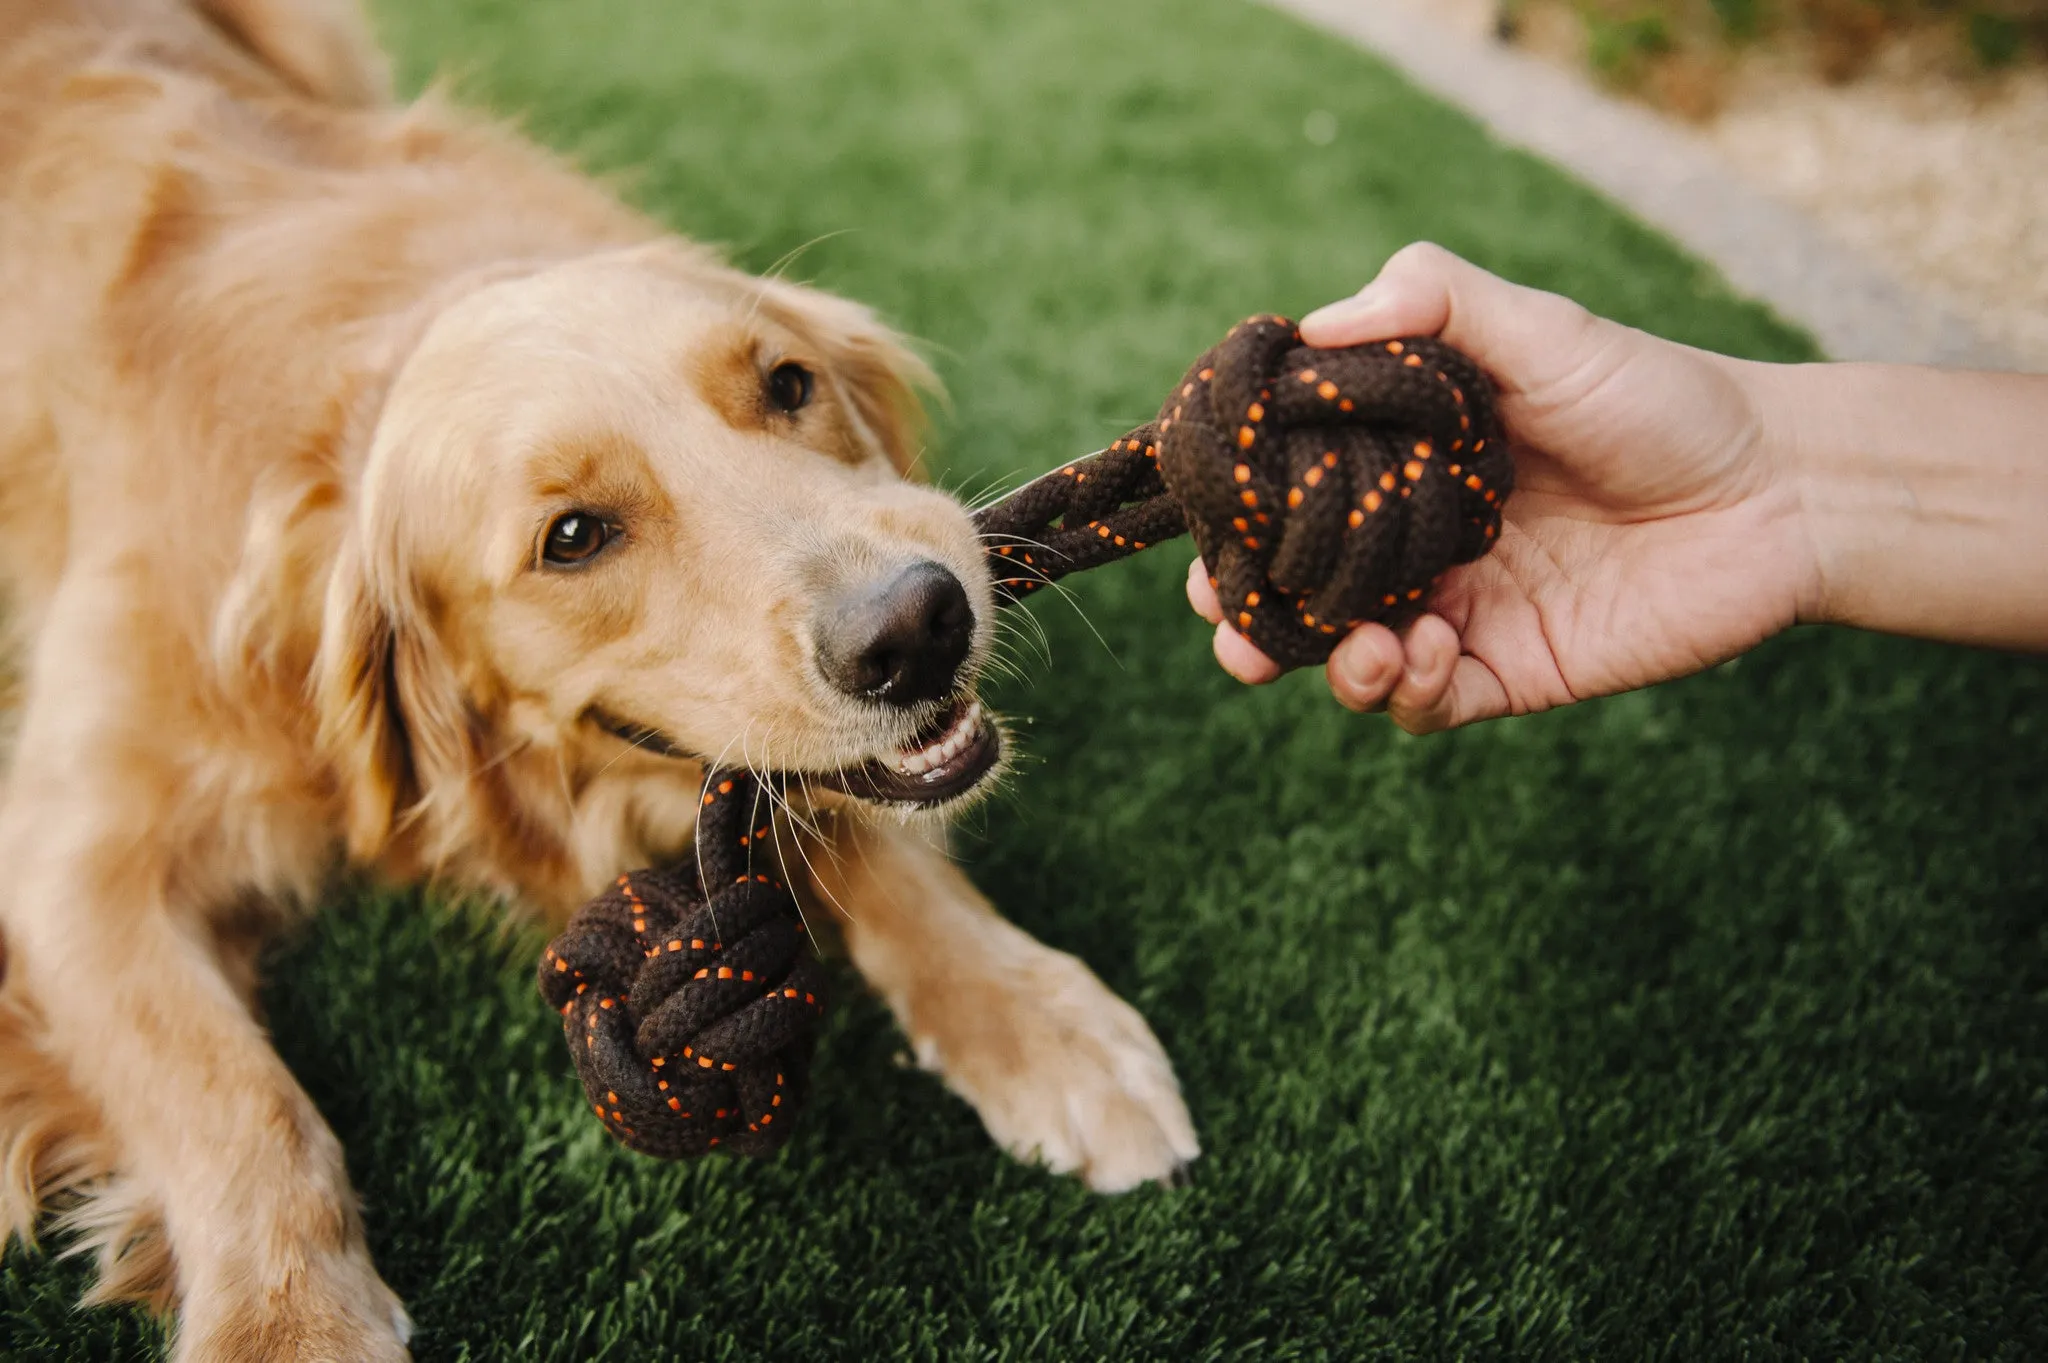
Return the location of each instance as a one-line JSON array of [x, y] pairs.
[[796, 820], [992, 489], [789, 257], [771, 782], [711, 770], [1074, 604], [762, 786], [1015, 626], [808, 824], [505, 754], [782, 860], [957, 489], [1000, 538], [1001, 668], [836, 859], [631, 745], [797, 828], [826, 841], [919, 466], [779, 799], [805, 822], [811, 872], [1026, 629]]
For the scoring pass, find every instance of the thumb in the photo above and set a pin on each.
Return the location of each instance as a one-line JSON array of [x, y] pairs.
[[1521, 336]]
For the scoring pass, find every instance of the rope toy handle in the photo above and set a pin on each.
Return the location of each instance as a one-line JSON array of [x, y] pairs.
[[1324, 488]]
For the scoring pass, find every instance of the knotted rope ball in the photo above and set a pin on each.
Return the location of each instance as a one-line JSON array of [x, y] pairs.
[[689, 995], [1324, 488]]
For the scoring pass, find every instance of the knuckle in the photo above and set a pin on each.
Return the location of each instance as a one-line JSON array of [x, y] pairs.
[[1422, 255]]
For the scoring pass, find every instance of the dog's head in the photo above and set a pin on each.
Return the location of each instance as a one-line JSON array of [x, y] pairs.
[[643, 504]]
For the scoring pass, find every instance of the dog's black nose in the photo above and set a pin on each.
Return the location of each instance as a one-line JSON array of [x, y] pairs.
[[900, 640]]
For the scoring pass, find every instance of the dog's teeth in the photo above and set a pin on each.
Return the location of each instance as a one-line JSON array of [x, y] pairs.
[[947, 747]]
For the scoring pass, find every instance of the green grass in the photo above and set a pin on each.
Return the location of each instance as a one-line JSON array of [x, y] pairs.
[[1709, 1022]]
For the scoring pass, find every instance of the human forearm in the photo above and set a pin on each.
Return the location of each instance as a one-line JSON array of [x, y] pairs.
[[1925, 493], [1674, 507]]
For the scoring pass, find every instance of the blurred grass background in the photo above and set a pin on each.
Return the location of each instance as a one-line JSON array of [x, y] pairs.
[[1708, 1022]]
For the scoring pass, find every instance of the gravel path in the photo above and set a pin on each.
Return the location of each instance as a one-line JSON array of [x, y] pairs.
[[1743, 195], [1942, 182]]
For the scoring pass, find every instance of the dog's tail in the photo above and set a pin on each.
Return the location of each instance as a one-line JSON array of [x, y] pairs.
[[324, 47]]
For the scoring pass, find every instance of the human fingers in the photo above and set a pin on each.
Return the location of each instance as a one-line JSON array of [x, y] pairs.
[[1442, 687], [1202, 595], [1242, 659], [1523, 336], [1364, 667], [1430, 655]]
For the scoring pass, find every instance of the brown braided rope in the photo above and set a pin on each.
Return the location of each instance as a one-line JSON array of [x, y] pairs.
[[691, 1018], [1324, 488]]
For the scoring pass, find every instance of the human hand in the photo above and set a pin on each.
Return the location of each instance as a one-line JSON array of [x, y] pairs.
[[1655, 528]]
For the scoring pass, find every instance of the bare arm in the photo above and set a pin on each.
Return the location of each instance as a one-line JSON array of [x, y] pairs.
[[1675, 508], [1926, 496]]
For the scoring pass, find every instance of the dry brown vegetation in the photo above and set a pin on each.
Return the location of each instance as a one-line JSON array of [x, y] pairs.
[[1678, 52]]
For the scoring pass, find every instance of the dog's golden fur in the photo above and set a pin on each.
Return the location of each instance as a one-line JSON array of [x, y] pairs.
[[291, 382]]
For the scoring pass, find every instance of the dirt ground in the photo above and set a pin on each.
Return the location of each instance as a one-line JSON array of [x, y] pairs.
[[1937, 174]]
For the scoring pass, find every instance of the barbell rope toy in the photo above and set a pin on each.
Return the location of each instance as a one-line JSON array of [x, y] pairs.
[[1324, 489]]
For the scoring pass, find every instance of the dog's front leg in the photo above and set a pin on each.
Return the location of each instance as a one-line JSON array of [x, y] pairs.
[[249, 1182], [1060, 1069]]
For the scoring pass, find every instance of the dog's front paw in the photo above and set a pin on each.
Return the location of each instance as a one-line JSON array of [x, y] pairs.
[[1062, 1071], [333, 1310]]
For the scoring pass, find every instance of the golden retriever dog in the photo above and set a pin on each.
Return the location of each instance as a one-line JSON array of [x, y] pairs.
[[373, 488]]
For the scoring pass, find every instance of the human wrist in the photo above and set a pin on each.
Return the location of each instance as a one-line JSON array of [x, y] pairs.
[[1847, 498], [1789, 447]]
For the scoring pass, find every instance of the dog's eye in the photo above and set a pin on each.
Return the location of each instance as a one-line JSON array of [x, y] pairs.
[[575, 538], [789, 386]]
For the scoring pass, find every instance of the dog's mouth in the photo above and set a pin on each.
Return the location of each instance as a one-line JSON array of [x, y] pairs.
[[943, 761]]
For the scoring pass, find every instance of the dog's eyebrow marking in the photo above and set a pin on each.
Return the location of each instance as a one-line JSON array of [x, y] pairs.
[[726, 370], [605, 471]]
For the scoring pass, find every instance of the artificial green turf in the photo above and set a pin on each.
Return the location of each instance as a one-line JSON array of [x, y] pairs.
[[1709, 1022]]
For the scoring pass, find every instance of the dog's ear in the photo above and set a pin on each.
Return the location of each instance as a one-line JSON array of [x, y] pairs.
[[392, 716], [880, 379], [871, 367], [322, 46]]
